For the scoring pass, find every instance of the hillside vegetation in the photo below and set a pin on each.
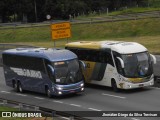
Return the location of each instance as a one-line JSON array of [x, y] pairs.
[[120, 12], [144, 31], [63, 9]]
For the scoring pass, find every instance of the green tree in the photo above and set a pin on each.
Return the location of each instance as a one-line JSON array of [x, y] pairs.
[[6, 9]]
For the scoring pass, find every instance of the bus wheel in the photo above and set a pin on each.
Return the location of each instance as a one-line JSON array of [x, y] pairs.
[[15, 86], [114, 86], [20, 87], [48, 92]]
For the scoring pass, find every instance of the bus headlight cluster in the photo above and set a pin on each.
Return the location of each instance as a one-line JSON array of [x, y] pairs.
[[82, 84], [82, 89], [130, 86], [59, 88], [59, 93], [151, 83], [126, 80]]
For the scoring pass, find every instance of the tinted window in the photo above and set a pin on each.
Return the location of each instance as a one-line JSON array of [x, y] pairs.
[[118, 64], [103, 56], [23, 62]]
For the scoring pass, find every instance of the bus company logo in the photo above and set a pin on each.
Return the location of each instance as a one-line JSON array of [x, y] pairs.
[[27, 72], [6, 114], [21, 114]]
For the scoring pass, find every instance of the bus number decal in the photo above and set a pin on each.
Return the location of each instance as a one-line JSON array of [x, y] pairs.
[[87, 65]]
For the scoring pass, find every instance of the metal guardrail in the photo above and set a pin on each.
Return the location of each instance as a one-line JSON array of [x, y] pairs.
[[46, 112], [122, 17], [109, 18]]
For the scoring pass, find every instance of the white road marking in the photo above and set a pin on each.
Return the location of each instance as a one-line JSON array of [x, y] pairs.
[[94, 109], [75, 105], [21, 94], [5, 92], [16, 107], [39, 98], [65, 118], [114, 96], [155, 88], [134, 119], [57, 101]]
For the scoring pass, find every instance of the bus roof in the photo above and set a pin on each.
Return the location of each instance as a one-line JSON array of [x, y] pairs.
[[118, 46], [47, 53]]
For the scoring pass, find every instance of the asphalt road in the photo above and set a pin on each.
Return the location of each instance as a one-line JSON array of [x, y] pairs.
[[95, 98], [157, 66]]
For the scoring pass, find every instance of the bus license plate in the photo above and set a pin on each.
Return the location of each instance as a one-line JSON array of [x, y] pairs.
[[72, 91], [141, 85]]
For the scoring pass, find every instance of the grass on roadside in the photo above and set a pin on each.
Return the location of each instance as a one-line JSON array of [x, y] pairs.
[[152, 43], [144, 31], [3, 108], [119, 12]]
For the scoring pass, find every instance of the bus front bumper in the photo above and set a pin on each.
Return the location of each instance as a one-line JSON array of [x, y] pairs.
[[65, 92], [128, 85]]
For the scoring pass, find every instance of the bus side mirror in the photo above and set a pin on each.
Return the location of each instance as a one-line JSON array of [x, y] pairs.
[[82, 64], [51, 69], [121, 61], [153, 58]]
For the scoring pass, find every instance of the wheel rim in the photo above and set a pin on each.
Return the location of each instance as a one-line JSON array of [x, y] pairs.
[[49, 93], [114, 86], [15, 87], [20, 88]]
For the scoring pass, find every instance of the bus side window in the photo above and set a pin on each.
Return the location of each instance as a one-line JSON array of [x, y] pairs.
[[83, 54], [106, 57], [24, 62], [91, 55], [73, 50], [118, 64], [76, 51], [49, 71], [102, 57], [119, 67]]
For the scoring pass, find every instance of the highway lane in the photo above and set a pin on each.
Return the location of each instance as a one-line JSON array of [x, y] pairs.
[[156, 67], [95, 98]]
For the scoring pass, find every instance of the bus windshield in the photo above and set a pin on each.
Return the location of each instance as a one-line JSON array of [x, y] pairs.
[[67, 72], [137, 65]]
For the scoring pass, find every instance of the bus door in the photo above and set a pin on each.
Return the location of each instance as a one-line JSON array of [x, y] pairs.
[[95, 66], [89, 70], [100, 59]]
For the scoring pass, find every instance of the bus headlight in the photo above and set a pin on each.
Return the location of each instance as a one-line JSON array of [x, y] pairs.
[[130, 86], [82, 84], [126, 80], [53, 88], [59, 93], [59, 88], [82, 89]]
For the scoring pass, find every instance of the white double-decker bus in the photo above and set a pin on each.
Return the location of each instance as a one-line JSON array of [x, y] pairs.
[[124, 65]]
